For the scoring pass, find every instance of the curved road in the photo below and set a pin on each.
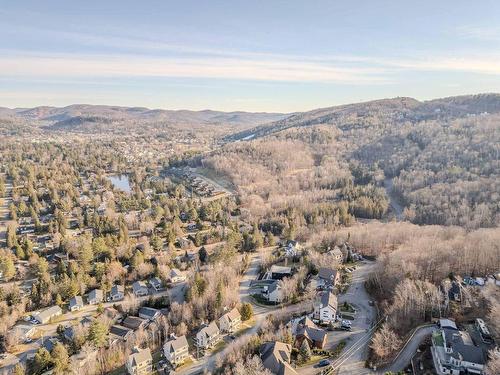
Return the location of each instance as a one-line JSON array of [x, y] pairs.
[[404, 357]]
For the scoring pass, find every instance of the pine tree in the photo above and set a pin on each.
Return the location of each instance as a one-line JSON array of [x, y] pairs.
[[246, 311], [305, 351], [60, 358], [41, 361]]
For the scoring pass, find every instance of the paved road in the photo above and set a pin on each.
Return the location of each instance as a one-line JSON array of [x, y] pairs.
[[352, 358], [4, 213], [405, 355], [260, 312]]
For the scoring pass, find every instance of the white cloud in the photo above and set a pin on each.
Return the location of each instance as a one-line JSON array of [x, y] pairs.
[[264, 69]]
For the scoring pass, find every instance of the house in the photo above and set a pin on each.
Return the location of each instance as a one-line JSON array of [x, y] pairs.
[[447, 323], [134, 322], [112, 314], [307, 330], [273, 292], [140, 362], [329, 276], [95, 297], [276, 358], [292, 248], [176, 350], [49, 343], [176, 276], [337, 254], [120, 332], [23, 331], [454, 293], [208, 336], [69, 333], [149, 313], [75, 303], [140, 289], [83, 361], [230, 322], [454, 353], [279, 272], [117, 293], [45, 315], [325, 308], [156, 284]]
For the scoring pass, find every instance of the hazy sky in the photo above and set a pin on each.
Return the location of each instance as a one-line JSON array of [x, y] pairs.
[[250, 55]]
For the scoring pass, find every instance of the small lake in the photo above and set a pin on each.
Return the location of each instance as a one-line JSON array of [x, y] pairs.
[[121, 182]]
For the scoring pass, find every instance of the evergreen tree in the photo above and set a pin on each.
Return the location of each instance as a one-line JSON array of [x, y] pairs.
[[60, 359], [41, 361], [246, 311]]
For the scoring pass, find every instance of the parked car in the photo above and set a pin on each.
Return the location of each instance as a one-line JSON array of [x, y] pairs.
[[323, 363]]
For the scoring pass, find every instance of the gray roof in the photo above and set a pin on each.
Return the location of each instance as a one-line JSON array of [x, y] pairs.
[[176, 344], [327, 273], [272, 287], [96, 294], [155, 281], [120, 331], [48, 313], [463, 346], [140, 356], [329, 299], [76, 301], [280, 269], [133, 322], [210, 330], [308, 329], [138, 285], [49, 343], [149, 312], [117, 289], [276, 357]]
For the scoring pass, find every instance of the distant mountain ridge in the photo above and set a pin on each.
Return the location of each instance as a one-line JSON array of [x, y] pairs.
[[395, 110], [79, 114]]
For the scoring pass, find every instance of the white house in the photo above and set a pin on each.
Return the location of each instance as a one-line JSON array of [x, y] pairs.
[[230, 322], [329, 276], [274, 292], [75, 303], [176, 350], [325, 308], [95, 296], [117, 293], [208, 336], [176, 276], [454, 353], [336, 254], [45, 315], [140, 362]]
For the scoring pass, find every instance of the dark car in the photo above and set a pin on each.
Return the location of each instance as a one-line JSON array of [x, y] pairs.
[[323, 363]]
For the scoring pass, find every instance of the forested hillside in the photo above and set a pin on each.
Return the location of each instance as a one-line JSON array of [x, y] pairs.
[[442, 155]]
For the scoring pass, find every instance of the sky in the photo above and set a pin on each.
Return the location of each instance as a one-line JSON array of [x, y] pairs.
[[274, 56]]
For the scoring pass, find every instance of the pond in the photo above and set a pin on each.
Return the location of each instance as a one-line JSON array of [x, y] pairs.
[[121, 182]]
